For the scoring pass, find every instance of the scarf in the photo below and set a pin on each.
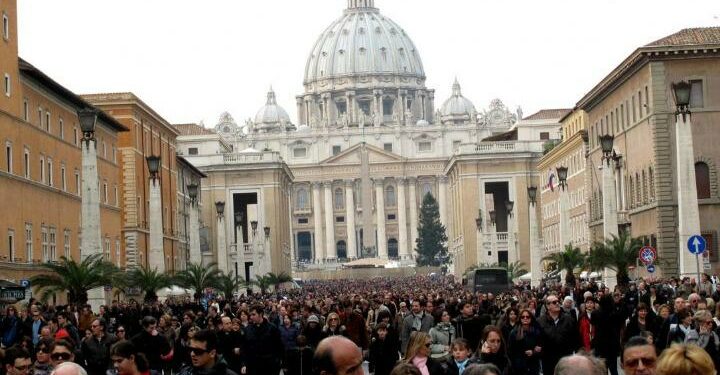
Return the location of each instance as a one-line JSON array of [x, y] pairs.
[[421, 364], [461, 365], [417, 321]]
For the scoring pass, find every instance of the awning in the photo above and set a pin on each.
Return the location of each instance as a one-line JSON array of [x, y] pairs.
[[526, 277]]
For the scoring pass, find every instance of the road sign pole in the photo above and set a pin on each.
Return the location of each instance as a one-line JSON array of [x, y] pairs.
[[697, 281]]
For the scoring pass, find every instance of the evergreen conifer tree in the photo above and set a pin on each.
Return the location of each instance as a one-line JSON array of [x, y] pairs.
[[431, 243]]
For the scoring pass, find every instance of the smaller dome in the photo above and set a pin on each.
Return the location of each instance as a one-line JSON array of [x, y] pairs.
[[271, 116], [457, 109]]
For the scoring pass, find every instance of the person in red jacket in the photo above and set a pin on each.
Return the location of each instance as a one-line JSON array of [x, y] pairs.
[[585, 325]]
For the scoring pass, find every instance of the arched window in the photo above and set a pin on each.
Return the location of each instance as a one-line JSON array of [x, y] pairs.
[[301, 199], [392, 246], [702, 180], [339, 199], [341, 248], [390, 200]]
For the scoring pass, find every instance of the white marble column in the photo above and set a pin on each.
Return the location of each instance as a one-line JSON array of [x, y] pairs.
[[90, 238], [535, 252], [222, 253], [442, 196], [512, 246], [156, 255], [318, 240], [404, 250], [610, 221], [352, 252], [290, 224], [195, 256], [330, 248], [688, 212], [380, 219], [564, 218], [412, 183]]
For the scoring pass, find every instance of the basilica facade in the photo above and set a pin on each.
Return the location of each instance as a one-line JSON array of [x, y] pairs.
[[347, 178]]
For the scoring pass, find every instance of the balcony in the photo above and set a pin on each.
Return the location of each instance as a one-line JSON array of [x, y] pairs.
[[498, 147]]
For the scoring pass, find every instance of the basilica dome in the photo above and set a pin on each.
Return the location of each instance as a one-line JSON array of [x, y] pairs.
[[271, 116], [457, 109], [363, 42]]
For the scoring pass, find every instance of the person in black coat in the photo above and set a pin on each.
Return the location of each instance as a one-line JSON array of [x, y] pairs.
[[263, 348], [298, 360], [608, 321], [383, 351], [230, 344], [492, 349], [155, 346], [524, 345], [558, 333], [468, 325], [643, 320]]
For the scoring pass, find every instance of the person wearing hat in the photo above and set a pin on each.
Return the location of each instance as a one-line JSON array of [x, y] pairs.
[[313, 331]]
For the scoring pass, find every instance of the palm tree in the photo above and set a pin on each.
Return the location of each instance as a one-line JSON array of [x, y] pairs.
[[516, 269], [262, 282], [277, 279], [229, 284], [617, 253], [75, 278], [198, 277], [148, 280], [568, 260]]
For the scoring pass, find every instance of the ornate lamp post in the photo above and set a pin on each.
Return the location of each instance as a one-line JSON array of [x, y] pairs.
[[156, 255], [535, 256], [90, 242], [688, 213], [222, 255], [562, 173], [610, 222], [194, 235]]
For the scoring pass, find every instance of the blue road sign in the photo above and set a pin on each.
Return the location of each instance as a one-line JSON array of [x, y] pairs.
[[696, 244], [651, 268]]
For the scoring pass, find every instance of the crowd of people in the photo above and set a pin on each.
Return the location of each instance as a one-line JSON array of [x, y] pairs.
[[429, 325]]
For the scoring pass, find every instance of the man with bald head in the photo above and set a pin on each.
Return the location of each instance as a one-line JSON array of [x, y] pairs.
[[580, 365], [337, 355], [69, 368]]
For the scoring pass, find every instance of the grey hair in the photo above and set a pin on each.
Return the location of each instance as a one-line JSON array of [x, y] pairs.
[[71, 367], [571, 365]]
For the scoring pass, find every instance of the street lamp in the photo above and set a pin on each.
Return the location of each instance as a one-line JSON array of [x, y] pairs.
[[87, 118], [509, 207], [253, 225], [267, 232], [681, 92], [478, 220], [192, 189], [220, 208], [606, 144], [238, 217], [153, 163], [532, 194], [562, 176], [493, 216]]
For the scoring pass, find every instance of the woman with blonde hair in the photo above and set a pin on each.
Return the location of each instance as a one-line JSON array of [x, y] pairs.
[[418, 354], [685, 360], [332, 326]]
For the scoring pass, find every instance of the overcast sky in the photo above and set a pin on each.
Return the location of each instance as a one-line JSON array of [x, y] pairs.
[[192, 60]]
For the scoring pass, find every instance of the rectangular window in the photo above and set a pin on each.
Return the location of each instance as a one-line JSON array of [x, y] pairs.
[[42, 169], [11, 245], [53, 245], [640, 104], [40, 117], [47, 122], [44, 243], [340, 219], [66, 243], [117, 253], [302, 220], [104, 150], [76, 139], [7, 84], [61, 129], [8, 156], [647, 101], [63, 180], [50, 172], [114, 154], [105, 192], [622, 116], [77, 182], [26, 160], [26, 110], [28, 242], [391, 217], [634, 109], [336, 150], [387, 147], [106, 249], [299, 152], [6, 26], [696, 94], [192, 151], [544, 135], [425, 146], [117, 198]]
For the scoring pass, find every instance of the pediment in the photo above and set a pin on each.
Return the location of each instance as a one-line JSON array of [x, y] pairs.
[[353, 156]]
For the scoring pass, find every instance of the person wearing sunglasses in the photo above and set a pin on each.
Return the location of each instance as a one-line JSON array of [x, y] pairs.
[[63, 351], [42, 365], [524, 345], [638, 357], [558, 332], [17, 361], [204, 356], [418, 354]]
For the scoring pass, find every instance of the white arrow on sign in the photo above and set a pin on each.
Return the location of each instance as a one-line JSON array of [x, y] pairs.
[[696, 243]]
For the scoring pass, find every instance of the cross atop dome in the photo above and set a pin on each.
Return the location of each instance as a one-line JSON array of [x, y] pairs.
[[356, 4], [271, 97], [456, 88]]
